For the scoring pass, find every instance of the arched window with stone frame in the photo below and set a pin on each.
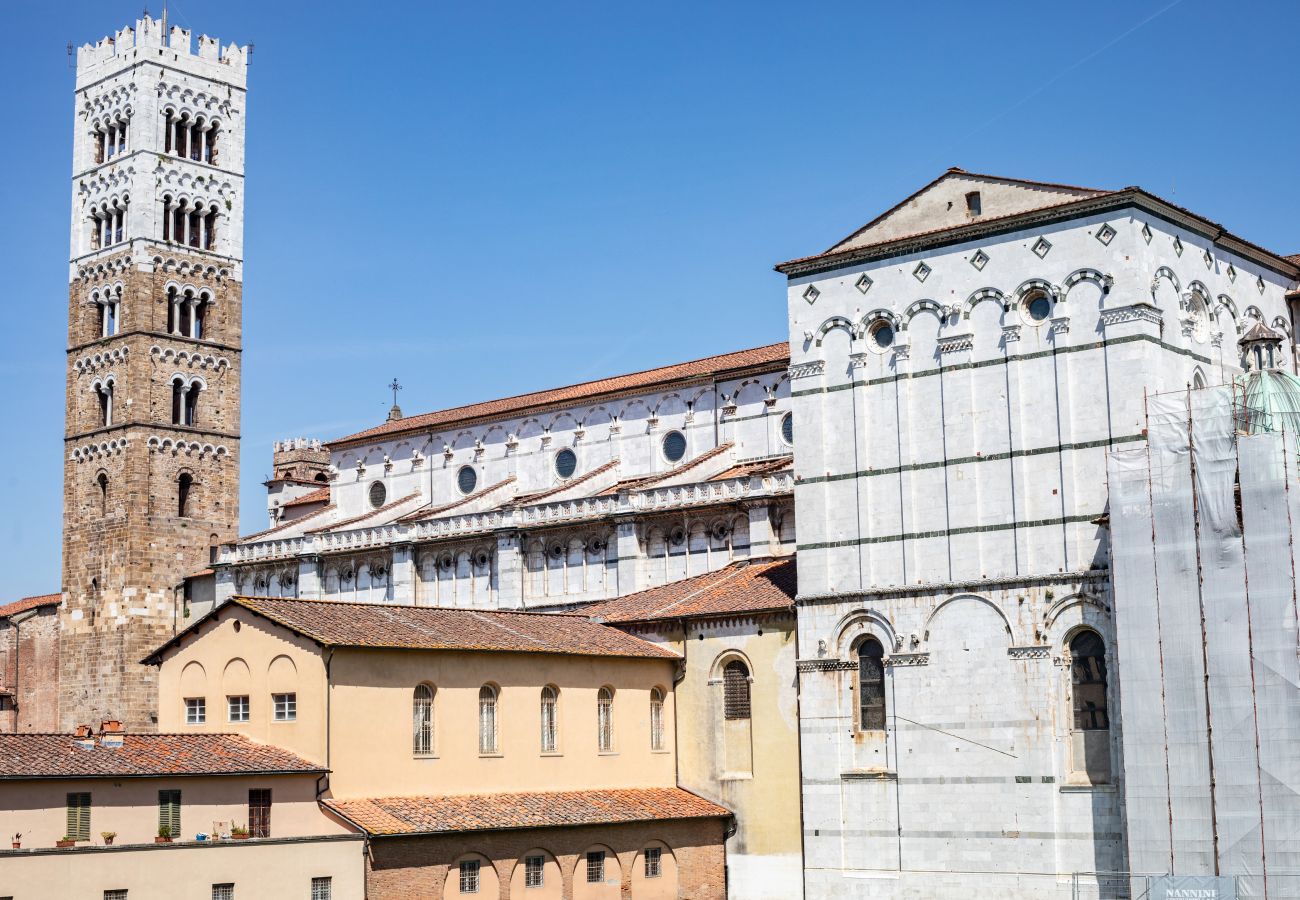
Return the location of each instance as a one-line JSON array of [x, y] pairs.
[[1089, 709], [735, 690], [184, 492], [871, 711]]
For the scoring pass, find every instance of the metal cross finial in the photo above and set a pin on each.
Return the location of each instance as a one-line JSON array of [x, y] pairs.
[[394, 387]]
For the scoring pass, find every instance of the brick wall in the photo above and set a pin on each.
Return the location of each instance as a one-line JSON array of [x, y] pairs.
[[125, 559], [416, 868], [29, 668]]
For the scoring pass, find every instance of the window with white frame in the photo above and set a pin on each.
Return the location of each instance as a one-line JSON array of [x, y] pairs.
[[422, 720], [469, 876], [237, 708], [487, 719], [656, 719], [605, 719], [653, 862], [534, 871], [322, 888], [595, 866], [550, 720], [196, 710], [285, 707]]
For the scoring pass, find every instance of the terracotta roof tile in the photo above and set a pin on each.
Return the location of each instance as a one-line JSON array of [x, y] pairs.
[[319, 496], [755, 467], [11, 609], [739, 588], [772, 355], [384, 626], [63, 756], [491, 812], [636, 484], [292, 523], [430, 512], [539, 496], [369, 514]]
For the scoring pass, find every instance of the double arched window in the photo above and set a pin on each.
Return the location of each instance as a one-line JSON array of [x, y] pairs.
[[422, 720], [190, 222], [104, 396], [487, 719], [550, 720], [605, 720], [871, 685], [109, 137], [108, 223], [191, 137], [109, 304], [185, 401], [187, 311]]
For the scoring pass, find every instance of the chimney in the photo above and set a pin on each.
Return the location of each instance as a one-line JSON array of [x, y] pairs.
[[111, 726], [84, 731]]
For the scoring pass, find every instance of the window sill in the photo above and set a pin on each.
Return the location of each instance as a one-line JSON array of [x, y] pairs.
[[607, 753], [661, 752], [424, 756], [551, 753], [491, 756]]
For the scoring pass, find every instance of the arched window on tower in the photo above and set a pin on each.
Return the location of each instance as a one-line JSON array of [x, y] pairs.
[[192, 404], [102, 483], [178, 401], [105, 392], [422, 720], [735, 690], [1090, 732], [871, 685], [184, 486], [109, 308]]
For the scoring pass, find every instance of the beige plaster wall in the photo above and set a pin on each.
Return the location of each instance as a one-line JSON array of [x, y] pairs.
[[129, 806], [238, 653], [371, 747], [259, 871]]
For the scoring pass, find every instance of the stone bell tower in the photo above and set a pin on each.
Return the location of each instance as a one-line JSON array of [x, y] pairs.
[[151, 459]]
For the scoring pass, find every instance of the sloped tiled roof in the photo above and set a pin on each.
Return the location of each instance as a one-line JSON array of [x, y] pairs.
[[285, 526], [318, 496], [572, 483], [383, 626], [369, 514], [492, 812], [430, 512], [12, 609], [755, 467], [28, 756], [771, 355], [636, 484], [739, 588]]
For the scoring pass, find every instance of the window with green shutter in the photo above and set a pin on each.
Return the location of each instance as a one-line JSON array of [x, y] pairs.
[[79, 816], [169, 812]]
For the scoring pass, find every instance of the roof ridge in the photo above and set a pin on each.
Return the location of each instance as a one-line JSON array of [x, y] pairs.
[[462, 609], [738, 568]]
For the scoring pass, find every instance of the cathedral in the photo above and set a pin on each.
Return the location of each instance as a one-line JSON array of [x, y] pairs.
[[949, 576]]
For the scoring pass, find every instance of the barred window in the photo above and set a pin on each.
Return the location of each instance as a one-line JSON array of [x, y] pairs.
[[550, 722], [487, 719], [223, 892], [656, 719], [259, 812], [115, 894], [285, 706], [1088, 679], [871, 685], [735, 690], [422, 720], [469, 876], [595, 866], [196, 710], [653, 862], [322, 888], [605, 719], [534, 871]]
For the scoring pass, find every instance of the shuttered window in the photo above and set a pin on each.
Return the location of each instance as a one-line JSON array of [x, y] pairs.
[[735, 690], [259, 812], [79, 816], [169, 812]]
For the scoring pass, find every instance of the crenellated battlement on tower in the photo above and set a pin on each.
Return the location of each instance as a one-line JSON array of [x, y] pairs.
[[148, 41]]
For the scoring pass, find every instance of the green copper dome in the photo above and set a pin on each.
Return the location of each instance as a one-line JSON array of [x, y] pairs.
[[1271, 401]]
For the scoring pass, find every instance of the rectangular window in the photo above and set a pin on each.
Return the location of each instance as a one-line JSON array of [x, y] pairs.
[[238, 708], [322, 888], [596, 867], [469, 876], [223, 892], [259, 812], [196, 710], [78, 817], [653, 862], [169, 813], [534, 866], [286, 707], [117, 894]]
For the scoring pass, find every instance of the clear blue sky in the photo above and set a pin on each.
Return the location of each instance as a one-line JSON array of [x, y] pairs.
[[487, 198]]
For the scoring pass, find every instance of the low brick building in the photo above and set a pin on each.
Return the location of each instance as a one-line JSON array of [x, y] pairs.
[[29, 664]]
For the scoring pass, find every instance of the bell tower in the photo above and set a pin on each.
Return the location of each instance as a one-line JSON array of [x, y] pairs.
[[151, 466]]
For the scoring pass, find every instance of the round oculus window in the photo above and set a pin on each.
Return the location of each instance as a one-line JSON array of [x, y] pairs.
[[378, 494], [566, 463], [1038, 306], [787, 428], [882, 335], [466, 479], [674, 446]]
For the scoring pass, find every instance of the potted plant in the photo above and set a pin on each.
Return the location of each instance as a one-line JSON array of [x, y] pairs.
[[66, 841], [164, 835], [18, 841], [239, 832], [108, 836]]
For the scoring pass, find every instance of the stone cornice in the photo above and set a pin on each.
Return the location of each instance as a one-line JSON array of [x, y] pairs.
[[954, 587]]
